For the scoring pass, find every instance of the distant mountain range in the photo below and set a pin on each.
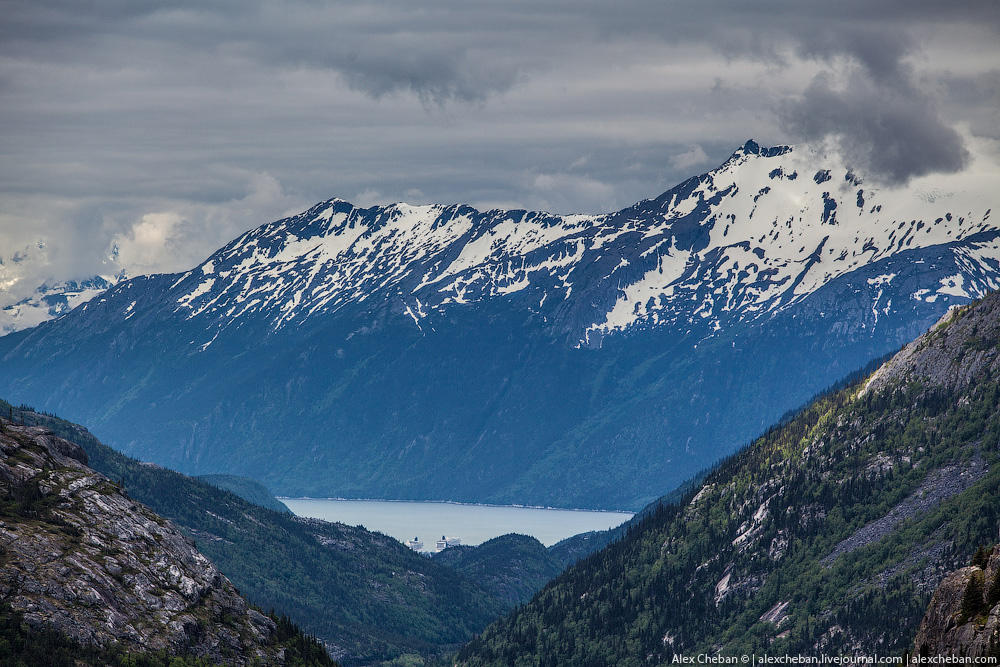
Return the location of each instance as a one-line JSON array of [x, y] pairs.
[[50, 301], [440, 352]]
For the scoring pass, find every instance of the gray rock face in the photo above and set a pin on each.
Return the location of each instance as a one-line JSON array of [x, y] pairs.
[[79, 556], [962, 346], [963, 618]]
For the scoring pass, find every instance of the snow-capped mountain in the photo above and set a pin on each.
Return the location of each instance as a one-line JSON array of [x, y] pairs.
[[747, 240], [512, 356], [50, 301]]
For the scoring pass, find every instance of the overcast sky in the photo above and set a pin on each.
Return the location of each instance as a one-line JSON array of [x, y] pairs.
[[167, 128]]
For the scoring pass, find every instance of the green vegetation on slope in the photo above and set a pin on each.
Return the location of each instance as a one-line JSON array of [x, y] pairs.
[[827, 534], [512, 567], [363, 594], [248, 489]]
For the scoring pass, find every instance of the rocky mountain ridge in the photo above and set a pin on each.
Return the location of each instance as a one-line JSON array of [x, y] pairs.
[[964, 334], [79, 556]]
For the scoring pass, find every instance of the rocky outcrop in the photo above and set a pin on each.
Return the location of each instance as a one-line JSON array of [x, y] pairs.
[[963, 618], [963, 345], [79, 556]]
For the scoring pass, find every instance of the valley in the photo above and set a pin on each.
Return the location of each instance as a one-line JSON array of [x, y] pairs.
[[513, 357], [441, 353], [826, 536]]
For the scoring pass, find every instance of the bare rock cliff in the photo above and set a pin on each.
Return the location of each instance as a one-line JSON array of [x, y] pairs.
[[78, 555], [960, 347], [963, 618]]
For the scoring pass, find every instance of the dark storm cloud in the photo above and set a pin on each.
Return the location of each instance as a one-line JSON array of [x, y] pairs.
[[446, 49], [875, 111], [874, 108], [437, 50], [887, 128]]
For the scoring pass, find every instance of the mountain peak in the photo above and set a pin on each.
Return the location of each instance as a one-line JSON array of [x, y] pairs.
[[751, 147]]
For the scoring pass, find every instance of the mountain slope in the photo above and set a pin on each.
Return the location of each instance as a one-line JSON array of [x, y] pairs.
[[248, 489], [82, 558], [512, 567], [827, 535], [364, 595], [439, 352]]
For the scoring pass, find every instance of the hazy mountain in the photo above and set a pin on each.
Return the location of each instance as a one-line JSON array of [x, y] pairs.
[[248, 489], [439, 352], [50, 301], [825, 536]]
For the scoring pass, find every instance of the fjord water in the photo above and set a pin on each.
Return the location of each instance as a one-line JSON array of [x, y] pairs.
[[473, 524]]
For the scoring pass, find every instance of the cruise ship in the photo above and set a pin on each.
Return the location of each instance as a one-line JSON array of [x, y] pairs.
[[446, 542]]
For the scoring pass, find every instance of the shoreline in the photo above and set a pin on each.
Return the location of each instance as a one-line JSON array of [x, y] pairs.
[[457, 502]]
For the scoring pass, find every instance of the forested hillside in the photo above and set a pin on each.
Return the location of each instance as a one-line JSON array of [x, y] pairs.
[[511, 567], [826, 534], [23, 645]]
